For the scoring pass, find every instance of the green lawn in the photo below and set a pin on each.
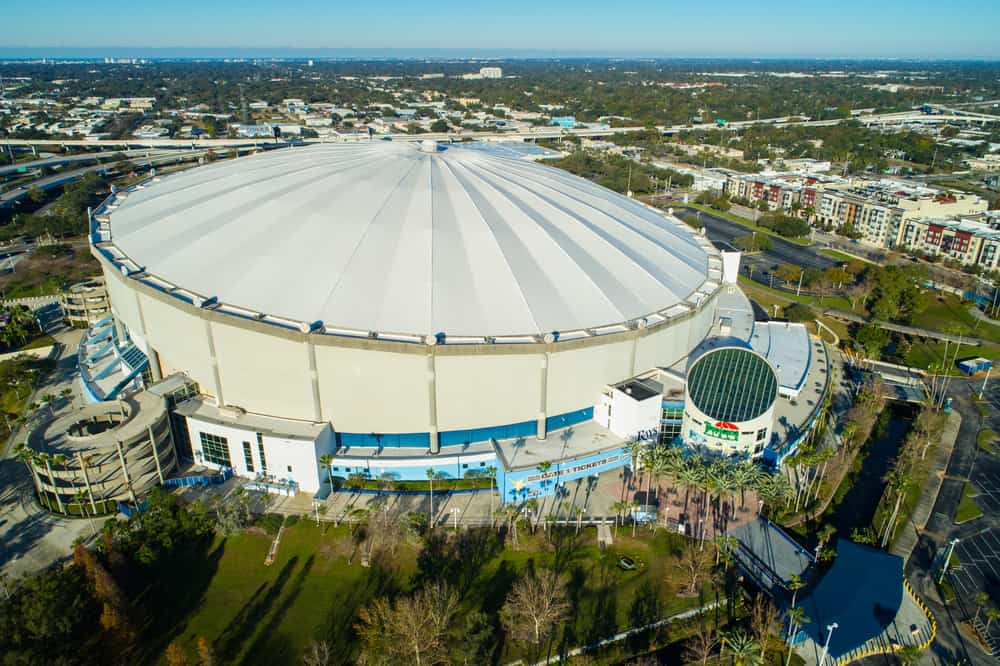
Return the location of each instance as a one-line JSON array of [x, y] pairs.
[[948, 313], [749, 224], [267, 615], [42, 341], [986, 440], [834, 302], [967, 508], [842, 256]]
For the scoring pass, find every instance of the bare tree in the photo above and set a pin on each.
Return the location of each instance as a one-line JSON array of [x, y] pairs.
[[702, 644], [535, 605], [694, 562], [413, 629], [763, 623], [317, 654]]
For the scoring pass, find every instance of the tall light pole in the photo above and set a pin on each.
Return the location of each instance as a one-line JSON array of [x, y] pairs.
[[947, 560], [826, 645]]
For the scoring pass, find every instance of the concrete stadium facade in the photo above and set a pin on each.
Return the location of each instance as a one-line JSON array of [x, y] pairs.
[[420, 393]]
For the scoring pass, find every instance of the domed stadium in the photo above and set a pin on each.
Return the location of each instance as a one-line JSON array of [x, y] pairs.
[[407, 295]]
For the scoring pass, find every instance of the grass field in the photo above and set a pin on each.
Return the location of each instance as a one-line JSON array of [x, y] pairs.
[[732, 217], [842, 256], [40, 275], [267, 615], [834, 302], [948, 313], [986, 440], [967, 507]]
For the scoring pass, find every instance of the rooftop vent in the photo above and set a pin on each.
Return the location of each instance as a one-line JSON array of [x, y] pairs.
[[428, 146]]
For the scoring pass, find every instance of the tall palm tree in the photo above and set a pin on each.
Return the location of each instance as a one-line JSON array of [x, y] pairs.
[[635, 448], [431, 475], [532, 505], [326, 460], [982, 600], [492, 472], [796, 618], [619, 507]]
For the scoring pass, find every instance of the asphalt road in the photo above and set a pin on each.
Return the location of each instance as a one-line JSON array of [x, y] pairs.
[[69, 159], [951, 645], [56, 180], [722, 231]]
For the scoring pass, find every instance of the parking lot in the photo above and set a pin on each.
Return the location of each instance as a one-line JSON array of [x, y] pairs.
[[978, 571]]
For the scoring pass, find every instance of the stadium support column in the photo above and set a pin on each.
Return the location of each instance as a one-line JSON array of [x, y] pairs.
[[154, 364], [541, 430], [314, 380], [155, 369], [435, 442], [216, 377]]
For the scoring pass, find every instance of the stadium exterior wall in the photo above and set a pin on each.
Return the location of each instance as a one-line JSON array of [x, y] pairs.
[[370, 386]]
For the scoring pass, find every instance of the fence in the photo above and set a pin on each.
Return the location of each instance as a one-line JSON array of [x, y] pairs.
[[208, 480], [128, 510]]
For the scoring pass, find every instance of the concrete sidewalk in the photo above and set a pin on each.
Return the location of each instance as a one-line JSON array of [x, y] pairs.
[[907, 541]]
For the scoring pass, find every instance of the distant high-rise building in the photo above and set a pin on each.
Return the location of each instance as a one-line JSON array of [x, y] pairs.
[[491, 73]]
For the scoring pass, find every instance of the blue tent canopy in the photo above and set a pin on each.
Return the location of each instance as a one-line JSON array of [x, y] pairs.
[[862, 593]]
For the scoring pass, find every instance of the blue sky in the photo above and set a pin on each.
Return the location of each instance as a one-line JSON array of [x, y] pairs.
[[761, 28]]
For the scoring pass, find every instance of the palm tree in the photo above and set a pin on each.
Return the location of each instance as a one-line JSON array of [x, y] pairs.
[[431, 475], [795, 583], [619, 508], [635, 448], [909, 654], [991, 614], [824, 535], [532, 506], [982, 600], [796, 618], [492, 472], [326, 460], [543, 468], [743, 648], [579, 517]]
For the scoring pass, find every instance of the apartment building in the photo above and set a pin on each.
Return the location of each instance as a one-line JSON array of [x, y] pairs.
[[968, 242], [879, 210]]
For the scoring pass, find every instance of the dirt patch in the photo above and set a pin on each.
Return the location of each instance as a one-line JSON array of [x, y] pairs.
[[39, 275]]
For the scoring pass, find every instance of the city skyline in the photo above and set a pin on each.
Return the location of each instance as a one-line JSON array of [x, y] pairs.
[[769, 29]]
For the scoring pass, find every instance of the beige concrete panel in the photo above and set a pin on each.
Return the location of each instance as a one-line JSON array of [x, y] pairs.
[[480, 390], [179, 338], [577, 376], [122, 298], [369, 391], [263, 374]]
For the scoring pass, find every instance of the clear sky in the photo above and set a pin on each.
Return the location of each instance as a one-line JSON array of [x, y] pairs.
[[753, 28]]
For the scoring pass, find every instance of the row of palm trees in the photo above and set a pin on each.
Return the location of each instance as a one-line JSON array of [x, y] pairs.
[[713, 482]]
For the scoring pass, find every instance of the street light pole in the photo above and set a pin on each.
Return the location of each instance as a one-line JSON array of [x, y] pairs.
[[826, 645], [947, 560]]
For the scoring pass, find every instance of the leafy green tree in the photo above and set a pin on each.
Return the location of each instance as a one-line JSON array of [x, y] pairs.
[[872, 339]]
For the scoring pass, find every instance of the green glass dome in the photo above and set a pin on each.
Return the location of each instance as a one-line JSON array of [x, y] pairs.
[[732, 384]]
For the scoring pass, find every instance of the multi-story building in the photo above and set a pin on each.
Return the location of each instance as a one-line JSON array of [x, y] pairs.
[[879, 210], [85, 302], [968, 242]]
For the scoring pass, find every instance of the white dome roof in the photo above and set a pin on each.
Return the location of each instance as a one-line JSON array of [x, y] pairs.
[[395, 238]]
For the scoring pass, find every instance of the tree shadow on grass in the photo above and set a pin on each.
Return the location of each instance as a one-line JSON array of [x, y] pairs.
[[645, 609], [567, 546], [457, 559], [270, 646], [241, 627], [178, 590], [380, 580]]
